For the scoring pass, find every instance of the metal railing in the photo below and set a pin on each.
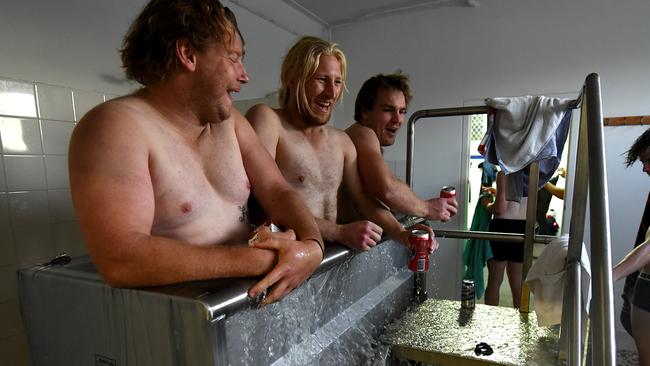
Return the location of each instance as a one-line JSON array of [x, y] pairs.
[[589, 179]]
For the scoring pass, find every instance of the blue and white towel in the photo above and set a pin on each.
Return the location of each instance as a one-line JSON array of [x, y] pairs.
[[527, 129]]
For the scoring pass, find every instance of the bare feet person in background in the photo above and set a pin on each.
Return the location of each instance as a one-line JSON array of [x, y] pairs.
[[509, 217], [635, 315], [160, 178], [379, 113], [318, 160]]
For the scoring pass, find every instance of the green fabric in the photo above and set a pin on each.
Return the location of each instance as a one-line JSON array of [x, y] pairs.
[[477, 251]]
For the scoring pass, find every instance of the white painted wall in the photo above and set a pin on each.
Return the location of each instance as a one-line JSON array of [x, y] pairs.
[[507, 48], [74, 43]]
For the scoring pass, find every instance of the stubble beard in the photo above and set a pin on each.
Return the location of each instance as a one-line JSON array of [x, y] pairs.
[[314, 119]]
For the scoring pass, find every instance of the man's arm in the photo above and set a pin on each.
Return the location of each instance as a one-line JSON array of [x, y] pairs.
[[266, 125], [381, 183], [498, 207], [359, 235], [633, 261], [367, 205], [555, 190], [114, 200], [297, 260]]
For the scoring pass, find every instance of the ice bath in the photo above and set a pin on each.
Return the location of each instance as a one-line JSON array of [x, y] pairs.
[[333, 318]]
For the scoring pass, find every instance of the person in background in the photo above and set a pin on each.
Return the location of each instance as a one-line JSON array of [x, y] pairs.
[[635, 314], [509, 217], [160, 178], [553, 188], [379, 112], [545, 219], [320, 161]]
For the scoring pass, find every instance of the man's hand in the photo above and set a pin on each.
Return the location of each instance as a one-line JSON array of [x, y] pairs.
[[297, 260], [442, 209], [406, 234], [359, 235]]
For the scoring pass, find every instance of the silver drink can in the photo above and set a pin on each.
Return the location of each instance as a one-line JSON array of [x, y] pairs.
[[468, 295]]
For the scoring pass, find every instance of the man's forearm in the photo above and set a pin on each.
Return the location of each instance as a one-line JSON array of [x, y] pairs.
[[153, 260], [399, 197], [295, 215]]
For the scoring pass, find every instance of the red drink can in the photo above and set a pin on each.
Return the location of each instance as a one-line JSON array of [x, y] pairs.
[[448, 192], [420, 243]]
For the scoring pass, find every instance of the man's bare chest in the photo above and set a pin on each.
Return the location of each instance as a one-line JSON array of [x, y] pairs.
[[190, 182], [307, 166]]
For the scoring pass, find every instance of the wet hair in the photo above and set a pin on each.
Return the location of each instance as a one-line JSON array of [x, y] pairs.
[[367, 95], [641, 144], [149, 47], [301, 63]]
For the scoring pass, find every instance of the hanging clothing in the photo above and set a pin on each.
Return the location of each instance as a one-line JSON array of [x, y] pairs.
[[543, 202], [489, 173], [477, 251], [547, 280], [527, 129]]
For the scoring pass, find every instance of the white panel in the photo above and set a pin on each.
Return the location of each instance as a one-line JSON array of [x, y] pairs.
[[17, 98], [85, 101], [3, 181], [55, 102], [56, 169], [56, 137], [68, 238], [24, 172], [29, 208], [34, 244], [8, 284], [61, 209], [20, 136], [7, 250], [10, 319]]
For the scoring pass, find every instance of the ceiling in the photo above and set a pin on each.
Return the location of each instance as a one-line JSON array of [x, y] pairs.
[[333, 13]]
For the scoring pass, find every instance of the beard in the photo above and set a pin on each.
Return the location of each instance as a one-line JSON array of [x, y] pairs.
[[312, 118]]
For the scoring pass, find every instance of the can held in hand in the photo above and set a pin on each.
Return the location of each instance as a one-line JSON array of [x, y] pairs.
[[468, 295], [448, 192], [421, 242]]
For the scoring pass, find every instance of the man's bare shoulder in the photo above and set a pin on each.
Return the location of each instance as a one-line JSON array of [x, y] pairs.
[[340, 137], [263, 114], [363, 137], [123, 113], [360, 133]]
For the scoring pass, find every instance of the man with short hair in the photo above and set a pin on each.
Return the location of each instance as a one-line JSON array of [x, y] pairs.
[[160, 178], [635, 314], [320, 161], [379, 113]]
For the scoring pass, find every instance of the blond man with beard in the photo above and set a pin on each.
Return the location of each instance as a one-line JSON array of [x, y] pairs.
[[320, 161]]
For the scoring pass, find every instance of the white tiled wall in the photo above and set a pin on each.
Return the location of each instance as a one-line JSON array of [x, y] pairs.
[[37, 220]]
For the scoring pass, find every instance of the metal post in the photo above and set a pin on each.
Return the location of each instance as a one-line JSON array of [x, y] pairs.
[[529, 235], [572, 312], [428, 113], [601, 264]]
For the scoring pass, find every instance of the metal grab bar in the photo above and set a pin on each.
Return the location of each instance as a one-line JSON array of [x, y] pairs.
[[590, 172], [487, 235]]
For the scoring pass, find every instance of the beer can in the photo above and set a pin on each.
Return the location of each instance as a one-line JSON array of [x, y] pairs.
[[448, 192], [420, 243], [468, 295]]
